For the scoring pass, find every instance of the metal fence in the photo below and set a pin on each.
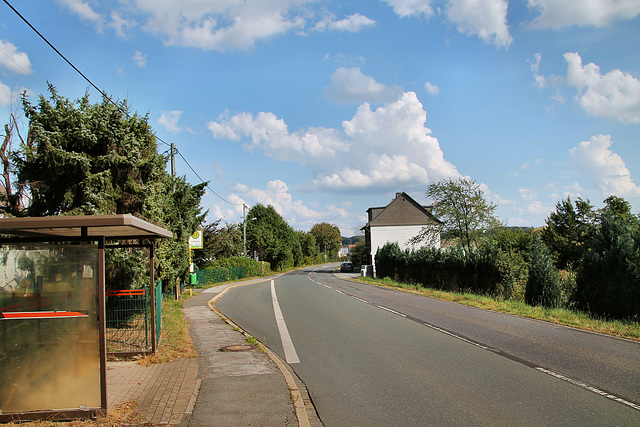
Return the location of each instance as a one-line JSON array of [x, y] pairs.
[[128, 320], [210, 276]]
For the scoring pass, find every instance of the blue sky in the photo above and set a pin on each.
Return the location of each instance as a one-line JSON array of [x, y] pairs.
[[326, 108]]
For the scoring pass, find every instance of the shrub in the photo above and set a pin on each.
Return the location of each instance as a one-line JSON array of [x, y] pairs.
[[543, 284], [486, 270], [608, 281]]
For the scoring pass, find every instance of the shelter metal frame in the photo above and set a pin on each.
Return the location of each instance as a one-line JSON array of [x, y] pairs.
[[85, 229]]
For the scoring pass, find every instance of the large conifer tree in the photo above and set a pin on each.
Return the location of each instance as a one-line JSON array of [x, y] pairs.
[[98, 159]]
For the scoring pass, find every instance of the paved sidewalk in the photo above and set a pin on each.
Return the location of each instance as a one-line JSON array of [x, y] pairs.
[[239, 388], [221, 387], [164, 392]]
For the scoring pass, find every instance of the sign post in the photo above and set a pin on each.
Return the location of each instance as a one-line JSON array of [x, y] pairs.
[[195, 242]]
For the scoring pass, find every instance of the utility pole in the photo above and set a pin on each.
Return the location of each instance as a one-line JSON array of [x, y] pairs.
[[173, 166], [244, 228]]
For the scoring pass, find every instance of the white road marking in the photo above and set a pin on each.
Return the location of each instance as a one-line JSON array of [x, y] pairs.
[[455, 336], [588, 387], [290, 354], [391, 311]]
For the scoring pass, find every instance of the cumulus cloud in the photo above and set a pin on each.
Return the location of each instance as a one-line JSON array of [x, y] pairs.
[[140, 59], [350, 85], [121, 25], [352, 23], [170, 120], [605, 167], [14, 60], [6, 95], [485, 18], [385, 148], [221, 25], [596, 13], [431, 88], [277, 194], [84, 11], [411, 7], [269, 133], [615, 94]]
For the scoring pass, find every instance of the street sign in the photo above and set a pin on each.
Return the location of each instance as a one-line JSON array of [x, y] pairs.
[[195, 241]]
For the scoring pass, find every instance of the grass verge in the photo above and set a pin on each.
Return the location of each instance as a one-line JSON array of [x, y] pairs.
[[576, 319], [175, 340]]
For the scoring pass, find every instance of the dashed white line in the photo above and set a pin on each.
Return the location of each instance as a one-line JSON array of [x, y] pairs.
[[391, 311], [455, 336], [588, 387], [290, 354]]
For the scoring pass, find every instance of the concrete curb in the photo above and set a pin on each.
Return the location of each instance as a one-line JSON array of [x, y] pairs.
[[299, 403]]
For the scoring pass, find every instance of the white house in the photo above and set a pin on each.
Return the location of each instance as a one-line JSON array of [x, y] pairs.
[[399, 221]]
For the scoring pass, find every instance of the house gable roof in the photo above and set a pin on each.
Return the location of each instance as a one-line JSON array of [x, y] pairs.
[[402, 210]]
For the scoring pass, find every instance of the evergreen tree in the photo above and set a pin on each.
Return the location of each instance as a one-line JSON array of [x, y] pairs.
[[608, 281], [568, 230], [543, 284], [98, 159]]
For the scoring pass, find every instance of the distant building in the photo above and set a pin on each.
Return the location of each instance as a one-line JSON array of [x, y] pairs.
[[399, 221]]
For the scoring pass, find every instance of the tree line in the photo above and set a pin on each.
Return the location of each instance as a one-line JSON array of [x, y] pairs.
[[79, 158], [583, 258]]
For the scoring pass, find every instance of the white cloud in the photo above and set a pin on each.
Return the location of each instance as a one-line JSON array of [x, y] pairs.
[[271, 134], [541, 81], [405, 8], [140, 59], [84, 11], [222, 25], [277, 194], [352, 23], [596, 13], [485, 18], [170, 121], [615, 94], [431, 88], [385, 148], [350, 85], [120, 25], [605, 167], [14, 60], [6, 95]]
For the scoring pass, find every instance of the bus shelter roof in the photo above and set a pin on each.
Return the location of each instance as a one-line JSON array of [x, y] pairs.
[[113, 227]]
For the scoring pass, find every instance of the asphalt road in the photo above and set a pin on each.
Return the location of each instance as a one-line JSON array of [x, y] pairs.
[[371, 356]]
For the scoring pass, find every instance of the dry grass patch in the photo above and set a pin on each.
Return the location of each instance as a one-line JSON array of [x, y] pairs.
[[125, 414], [175, 340]]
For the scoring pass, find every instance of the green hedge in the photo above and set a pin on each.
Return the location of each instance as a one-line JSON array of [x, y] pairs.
[[486, 270], [236, 268]]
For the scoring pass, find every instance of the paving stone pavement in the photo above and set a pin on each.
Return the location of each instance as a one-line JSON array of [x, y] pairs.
[[164, 392]]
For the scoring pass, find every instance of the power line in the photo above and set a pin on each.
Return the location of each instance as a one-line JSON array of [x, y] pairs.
[[106, 97]]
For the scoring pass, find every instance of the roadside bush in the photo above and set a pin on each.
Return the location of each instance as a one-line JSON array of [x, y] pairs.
[[543, 284], [486, 270], [568, 288], [608, 281], [391, 262], [233, 268]]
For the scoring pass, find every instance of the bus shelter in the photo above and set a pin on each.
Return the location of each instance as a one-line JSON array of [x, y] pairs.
[[52, 311]]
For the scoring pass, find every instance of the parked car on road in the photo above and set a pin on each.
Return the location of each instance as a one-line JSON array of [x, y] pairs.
[[346, 267]]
